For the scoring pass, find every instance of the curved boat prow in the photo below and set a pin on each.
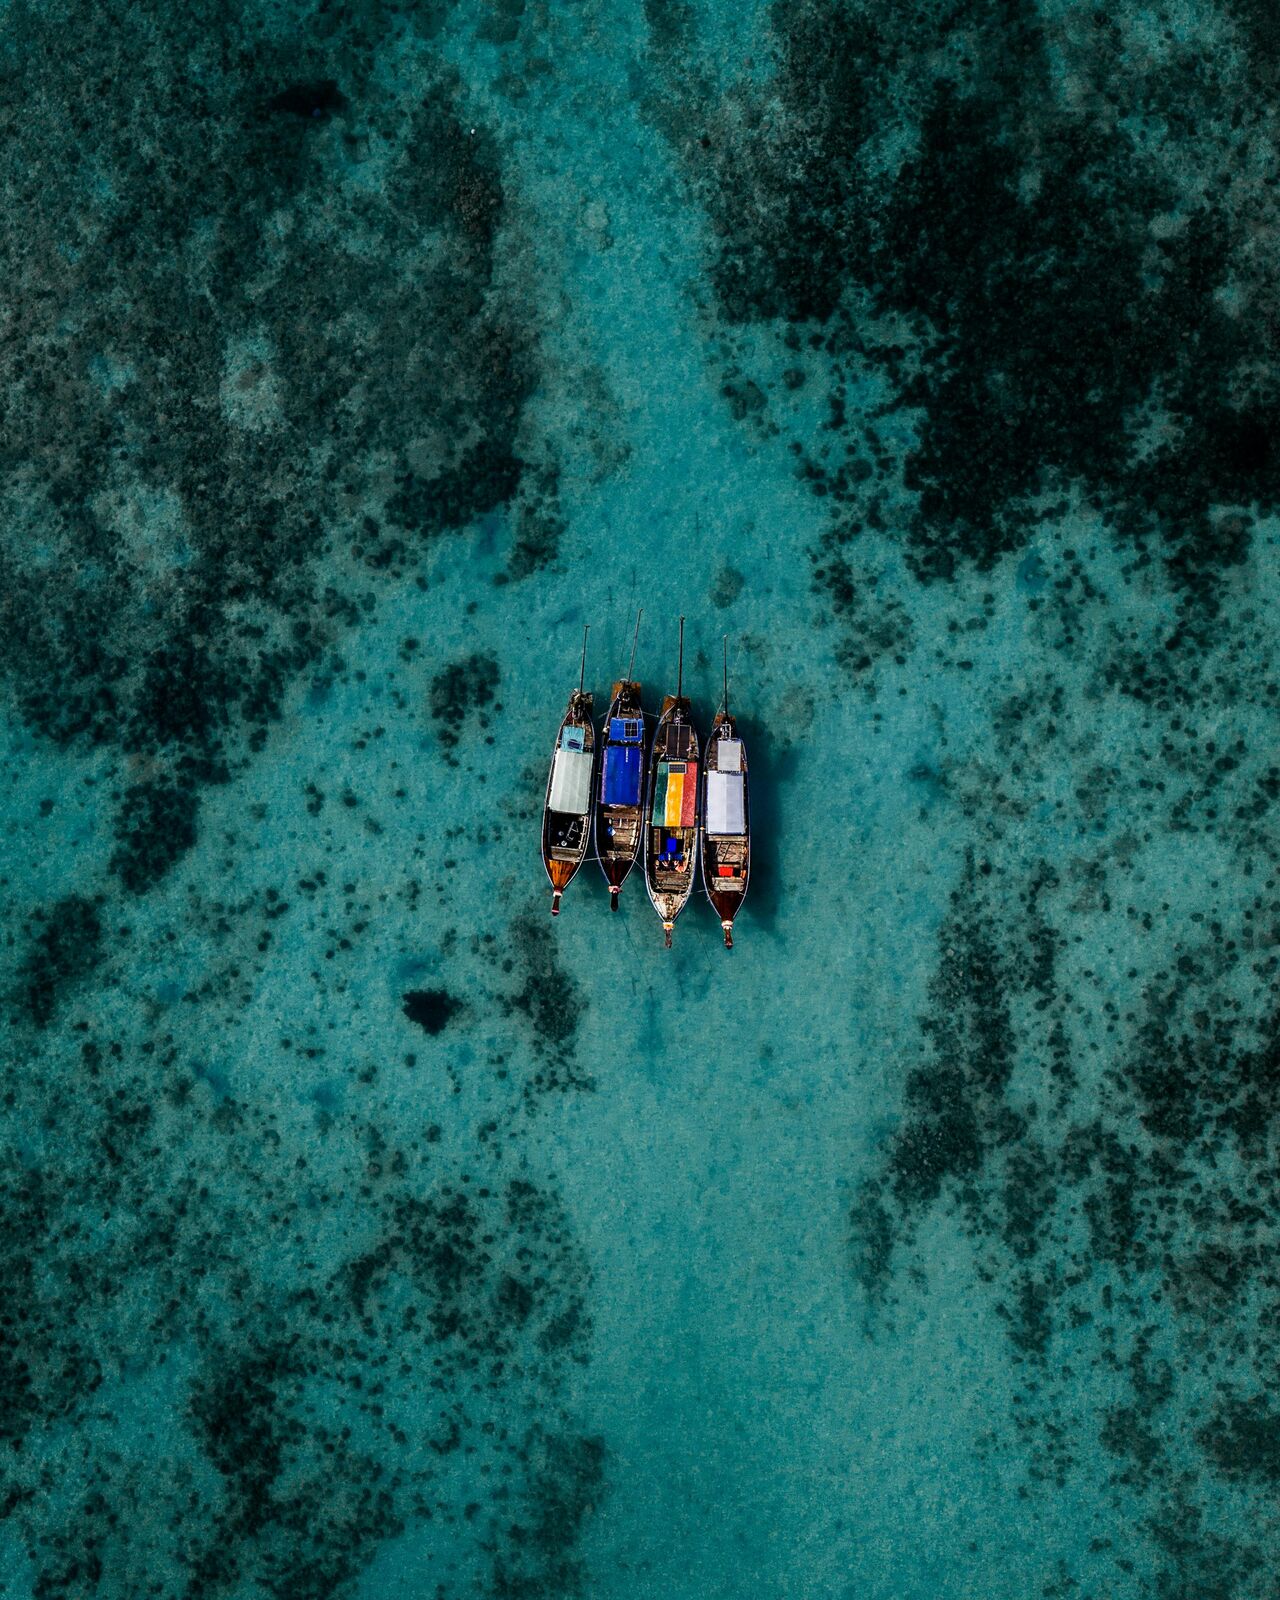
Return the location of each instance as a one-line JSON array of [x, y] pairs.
[[566, 811], [618, 812], [726, 836], [672, 807]]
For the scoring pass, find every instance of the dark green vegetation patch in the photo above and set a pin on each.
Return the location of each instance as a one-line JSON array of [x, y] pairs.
[[285, 1413], [254, 323], [1035, 239], [1115, 1179]]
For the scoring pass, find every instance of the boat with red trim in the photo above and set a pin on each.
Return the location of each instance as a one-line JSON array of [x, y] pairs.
[[566, 812], [726, 816], [671, 829]]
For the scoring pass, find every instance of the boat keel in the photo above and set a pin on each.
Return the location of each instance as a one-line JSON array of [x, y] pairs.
[[666, 928], [613, 897], [728, 935], [555, 903]]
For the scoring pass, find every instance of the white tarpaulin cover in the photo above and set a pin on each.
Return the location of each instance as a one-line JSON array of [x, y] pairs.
[[729, 755], [724, 801], [571, 781]]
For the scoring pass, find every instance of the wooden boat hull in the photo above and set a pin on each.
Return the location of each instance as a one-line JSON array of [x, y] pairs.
[[726, 853], [566, 830], [618, 821], [672, 812]]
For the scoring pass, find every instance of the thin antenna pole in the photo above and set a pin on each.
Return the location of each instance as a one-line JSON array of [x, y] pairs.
[[680, 671], [582, 673], [635, 636], [726, 674]]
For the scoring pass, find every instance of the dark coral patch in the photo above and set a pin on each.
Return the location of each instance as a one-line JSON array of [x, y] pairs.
[[953, 1109], [431, 1009], [155, 828], [420, 1294], [1019, 283], [484, 477], [190, 450], [1244, 1440], [552, 1001], [320, 99], [539, 525], [1112, 1227], [67, 945], [564, 1484], [460, 691], [726, 586]]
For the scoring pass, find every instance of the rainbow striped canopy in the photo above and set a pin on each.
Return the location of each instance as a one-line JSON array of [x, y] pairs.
[[675, 794]]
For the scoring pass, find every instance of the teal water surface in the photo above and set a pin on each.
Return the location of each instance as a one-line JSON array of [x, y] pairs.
[[367, 1234]]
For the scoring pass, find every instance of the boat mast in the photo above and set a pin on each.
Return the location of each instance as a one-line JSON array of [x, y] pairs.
[[726, 674], [582, 671], [680, 669], [635, 636]]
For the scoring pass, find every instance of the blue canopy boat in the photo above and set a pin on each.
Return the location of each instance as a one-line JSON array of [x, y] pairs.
[[619, 812]]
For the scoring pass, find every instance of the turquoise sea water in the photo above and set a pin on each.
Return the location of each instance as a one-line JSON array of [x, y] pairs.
[[365, 1233]]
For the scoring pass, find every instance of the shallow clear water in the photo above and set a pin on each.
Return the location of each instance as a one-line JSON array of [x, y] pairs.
[[368, 1234]]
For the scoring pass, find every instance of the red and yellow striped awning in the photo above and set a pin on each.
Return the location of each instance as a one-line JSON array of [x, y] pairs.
[[675, 794]]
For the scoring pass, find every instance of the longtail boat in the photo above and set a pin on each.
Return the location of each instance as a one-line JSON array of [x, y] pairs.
[[726, 816], [566, 815], [671, 831], [619, 810]]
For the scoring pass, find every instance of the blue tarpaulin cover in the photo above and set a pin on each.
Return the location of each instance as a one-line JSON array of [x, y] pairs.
[[625, 728], [621, 783]]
